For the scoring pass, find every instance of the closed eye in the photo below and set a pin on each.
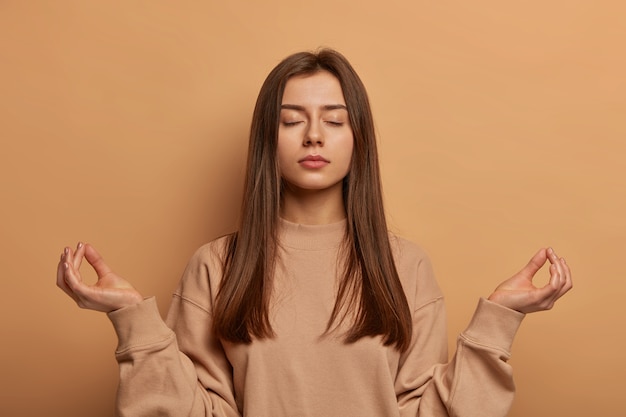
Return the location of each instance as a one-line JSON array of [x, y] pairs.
[[291, 123]]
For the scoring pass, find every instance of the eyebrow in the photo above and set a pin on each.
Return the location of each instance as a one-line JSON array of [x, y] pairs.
[[325, 107]]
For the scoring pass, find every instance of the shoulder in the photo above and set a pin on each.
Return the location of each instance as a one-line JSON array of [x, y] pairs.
[[211, 254], [409, 256], [415, 271], [406, 251], [203, 273]]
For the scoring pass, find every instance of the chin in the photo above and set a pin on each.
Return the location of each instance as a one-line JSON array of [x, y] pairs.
[[311, 187]]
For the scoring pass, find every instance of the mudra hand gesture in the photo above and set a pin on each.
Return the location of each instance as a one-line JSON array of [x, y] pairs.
[[110, 292], [519, 293]]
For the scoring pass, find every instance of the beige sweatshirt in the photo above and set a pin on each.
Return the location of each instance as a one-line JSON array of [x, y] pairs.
[[178, 368]]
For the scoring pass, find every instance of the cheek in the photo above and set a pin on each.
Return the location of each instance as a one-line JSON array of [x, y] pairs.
[[285, 152], [349, 151], [282, 148]]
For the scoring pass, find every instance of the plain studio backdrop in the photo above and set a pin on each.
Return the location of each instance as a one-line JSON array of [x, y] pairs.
[[501, 130]]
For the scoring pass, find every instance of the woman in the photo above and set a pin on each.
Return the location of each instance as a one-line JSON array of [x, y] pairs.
[[311, 308]]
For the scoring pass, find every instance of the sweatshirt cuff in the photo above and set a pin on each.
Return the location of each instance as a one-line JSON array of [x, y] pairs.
[[493, 325], [139, 325]]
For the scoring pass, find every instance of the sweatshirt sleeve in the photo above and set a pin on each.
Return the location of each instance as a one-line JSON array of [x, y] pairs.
[[477, 381], [176, 367]]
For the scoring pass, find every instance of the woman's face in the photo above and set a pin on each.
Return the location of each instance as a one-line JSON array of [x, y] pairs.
[[315, 139]]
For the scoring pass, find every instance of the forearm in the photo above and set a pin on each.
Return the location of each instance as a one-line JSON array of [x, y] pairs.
[[155, 377], [477, 381], [480, 378]]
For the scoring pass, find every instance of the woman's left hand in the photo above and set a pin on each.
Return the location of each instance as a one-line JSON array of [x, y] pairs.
[[519, 293]]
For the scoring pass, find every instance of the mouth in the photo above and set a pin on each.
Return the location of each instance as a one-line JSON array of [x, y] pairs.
[[313, 161], [314, 158]]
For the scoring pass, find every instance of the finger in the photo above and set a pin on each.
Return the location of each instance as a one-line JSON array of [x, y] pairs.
[[69, 255], [557, 281], [96, 261], [79, 291], [63, 281], [545, 297], [555, 276], [82, 293], [61, 270], [61, 274], [555, 261], [78, 255], [565, 275], [568, 272], [71, 276], [567, 284]]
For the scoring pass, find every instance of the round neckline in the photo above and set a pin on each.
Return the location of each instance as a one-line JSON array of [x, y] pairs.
[[311, 236]]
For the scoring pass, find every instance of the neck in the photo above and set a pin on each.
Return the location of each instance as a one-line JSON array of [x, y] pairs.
[[313, 206]]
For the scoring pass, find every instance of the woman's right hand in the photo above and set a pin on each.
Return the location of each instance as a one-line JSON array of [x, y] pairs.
[[109, 293]]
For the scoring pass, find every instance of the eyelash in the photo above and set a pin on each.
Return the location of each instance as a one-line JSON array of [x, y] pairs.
[[332, 123]]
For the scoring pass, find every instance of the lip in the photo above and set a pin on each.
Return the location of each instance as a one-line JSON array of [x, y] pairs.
[[313, 161]]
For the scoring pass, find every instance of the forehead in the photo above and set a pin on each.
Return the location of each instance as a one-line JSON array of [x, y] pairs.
[[318, 89]]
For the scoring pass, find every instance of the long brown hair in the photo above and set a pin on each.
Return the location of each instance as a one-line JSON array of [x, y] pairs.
[[370, 290]]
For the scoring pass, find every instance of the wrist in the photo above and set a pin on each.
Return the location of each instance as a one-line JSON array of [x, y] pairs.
[[502, 301]]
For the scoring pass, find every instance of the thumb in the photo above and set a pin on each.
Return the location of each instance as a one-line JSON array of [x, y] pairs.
[[96, 261], [536, 262]]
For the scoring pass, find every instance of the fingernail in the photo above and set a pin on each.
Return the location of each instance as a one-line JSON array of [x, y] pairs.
[[80, 245], [66, 251], [65, 265]]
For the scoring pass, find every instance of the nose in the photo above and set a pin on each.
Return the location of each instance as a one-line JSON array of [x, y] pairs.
[[313, 135]]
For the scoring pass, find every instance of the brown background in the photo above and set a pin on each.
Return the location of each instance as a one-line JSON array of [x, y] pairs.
[[501, 127]]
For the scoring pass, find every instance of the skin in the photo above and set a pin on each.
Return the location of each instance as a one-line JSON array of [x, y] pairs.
[[519, 293], [312, 122]]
